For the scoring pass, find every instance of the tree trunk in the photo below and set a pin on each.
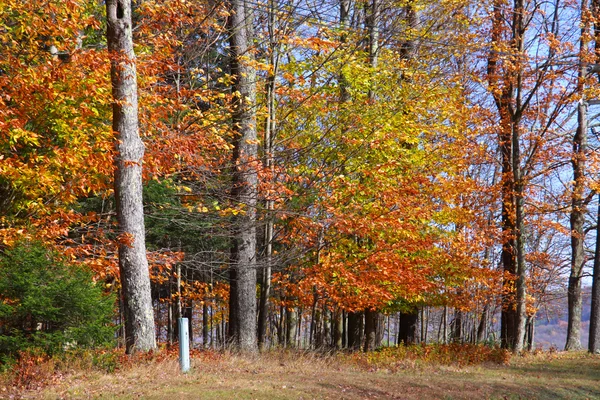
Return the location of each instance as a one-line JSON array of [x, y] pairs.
[[594, 342], [188, 313], [326, 325], [205, 322], [233, 305], [482, 328], [291, 326], [338, 329], [456, 332], [521, 317], [245, 177], [344, 330], [265, 288], [270, 125], [281, 328], [408, 327], [370, 329], [170, 318], [506, 93], [133, 264], [530, 332], [354, 323], [379, 329], [578, 202]]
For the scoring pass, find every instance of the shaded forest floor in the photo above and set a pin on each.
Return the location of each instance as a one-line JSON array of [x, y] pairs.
[[281, 375]]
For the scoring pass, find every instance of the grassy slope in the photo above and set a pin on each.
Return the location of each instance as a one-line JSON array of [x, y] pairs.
[[285, 376]]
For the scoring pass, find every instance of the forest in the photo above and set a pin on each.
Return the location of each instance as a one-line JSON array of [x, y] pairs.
[[344, 174]]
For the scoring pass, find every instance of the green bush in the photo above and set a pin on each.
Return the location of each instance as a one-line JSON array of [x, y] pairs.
[[49, 304]]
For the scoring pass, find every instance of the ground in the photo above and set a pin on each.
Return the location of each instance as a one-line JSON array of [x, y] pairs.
[[308, 376]]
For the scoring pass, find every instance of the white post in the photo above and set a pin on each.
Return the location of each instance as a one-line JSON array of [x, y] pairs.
[[184, 345]]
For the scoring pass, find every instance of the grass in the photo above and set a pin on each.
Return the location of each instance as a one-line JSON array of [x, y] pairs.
[[285, 375]]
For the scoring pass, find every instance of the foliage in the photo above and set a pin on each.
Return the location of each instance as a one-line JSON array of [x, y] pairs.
[[385, 199], [394, 358], [50, 304]]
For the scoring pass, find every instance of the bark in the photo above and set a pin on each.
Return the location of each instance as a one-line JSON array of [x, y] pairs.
[[205, 325], [530, 336], [133, 264], [578, 202], [521, 284], [407, 333], [370, 329], [338, 329], [170, 336], [263, 309], [344, 330], [456, 332], [506, 88], [245, 177], [482, 328], [354, 324], [326, 325], [594, 342], [408, 49], [281, 331], [270, 126], [233, 304], [291, 320], [188, 313], [423, 325], [318, 332], [379, 330], [373, 27]]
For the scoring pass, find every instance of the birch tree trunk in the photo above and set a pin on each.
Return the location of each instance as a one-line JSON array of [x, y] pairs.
[[133, 264]]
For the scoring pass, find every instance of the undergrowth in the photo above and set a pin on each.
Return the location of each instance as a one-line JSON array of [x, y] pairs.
[[35, 370], [403, 357]]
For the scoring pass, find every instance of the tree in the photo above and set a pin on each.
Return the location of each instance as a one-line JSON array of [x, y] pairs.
[[594, 337], [47, 302], [522, 84], [129, 152], [245, 175], [578, 198]]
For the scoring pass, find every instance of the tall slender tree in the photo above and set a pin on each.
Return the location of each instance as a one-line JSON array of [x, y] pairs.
[[506, 87], [594, 337], [129, 153], [578, 201], [245, 174]]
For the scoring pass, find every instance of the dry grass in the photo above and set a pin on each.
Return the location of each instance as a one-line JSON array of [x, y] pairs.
[[284, 375]]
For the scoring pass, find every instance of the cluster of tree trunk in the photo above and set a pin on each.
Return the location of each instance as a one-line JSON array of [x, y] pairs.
[[512, 96]]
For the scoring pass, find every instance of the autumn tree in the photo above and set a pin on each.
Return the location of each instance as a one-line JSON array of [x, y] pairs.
[[523, 84]]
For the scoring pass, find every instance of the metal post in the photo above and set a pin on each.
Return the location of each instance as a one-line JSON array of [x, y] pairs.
[[184, 345]]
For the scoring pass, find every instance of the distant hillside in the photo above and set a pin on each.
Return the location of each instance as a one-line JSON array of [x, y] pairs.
[[551, 322]]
